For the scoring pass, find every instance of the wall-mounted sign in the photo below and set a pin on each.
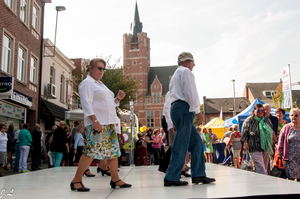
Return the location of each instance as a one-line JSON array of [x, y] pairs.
[[6, 86], [11, 111], [21, 98]]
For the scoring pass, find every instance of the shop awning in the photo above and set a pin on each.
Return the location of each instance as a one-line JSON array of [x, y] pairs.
[[55, 110]]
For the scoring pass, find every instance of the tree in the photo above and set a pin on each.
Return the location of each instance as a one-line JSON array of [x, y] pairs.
[[277, 98], [114, 79]]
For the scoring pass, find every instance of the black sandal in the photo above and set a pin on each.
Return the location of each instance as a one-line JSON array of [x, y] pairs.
[[88, 175], [82, 188], [113, 184]]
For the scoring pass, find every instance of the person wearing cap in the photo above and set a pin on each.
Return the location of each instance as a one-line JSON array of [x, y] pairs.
[[184, 105]]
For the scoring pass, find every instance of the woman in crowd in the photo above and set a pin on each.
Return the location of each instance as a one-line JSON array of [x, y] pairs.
[[281, 122], [235, 139], [202, 137], [25, 141], [289, 146], [66, 155], [78, 143], [156, 146], [3, 146], [59, 144], [100, 119], [209, 148], [149, 142], [10, 145], [258, 137]]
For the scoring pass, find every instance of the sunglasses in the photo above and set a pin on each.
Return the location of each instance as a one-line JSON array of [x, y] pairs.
[[260, 111], [294, 115], [101, 69]]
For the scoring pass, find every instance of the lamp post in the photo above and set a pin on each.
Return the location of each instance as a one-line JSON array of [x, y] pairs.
[[58, 9], [234, 111]]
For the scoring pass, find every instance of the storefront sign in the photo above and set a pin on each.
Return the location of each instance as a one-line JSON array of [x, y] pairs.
[[6, 86], [21, 98], [286, 88], [11, 111]]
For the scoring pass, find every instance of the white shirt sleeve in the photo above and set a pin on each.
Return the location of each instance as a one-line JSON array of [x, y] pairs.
[[189, 90], [167, 109], [86, 98]]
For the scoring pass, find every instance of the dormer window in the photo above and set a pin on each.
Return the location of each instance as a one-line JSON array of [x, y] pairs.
[[155, 86], [269, 93]]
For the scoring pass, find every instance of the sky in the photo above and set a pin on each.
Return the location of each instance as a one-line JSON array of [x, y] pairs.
[[244, 40]]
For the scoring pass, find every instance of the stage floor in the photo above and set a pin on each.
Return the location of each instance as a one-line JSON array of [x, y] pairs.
[[147, 183]]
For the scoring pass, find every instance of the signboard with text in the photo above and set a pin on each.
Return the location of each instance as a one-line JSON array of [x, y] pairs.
[[11, 111], [286, 88], [6, 86]]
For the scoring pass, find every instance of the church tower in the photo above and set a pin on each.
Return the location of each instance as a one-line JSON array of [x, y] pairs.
[[136, 61]]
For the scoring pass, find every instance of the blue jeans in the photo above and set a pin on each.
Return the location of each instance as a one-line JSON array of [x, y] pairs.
[[186, 139], [17, 158], [214, 153], [57, 157], [156, 153]]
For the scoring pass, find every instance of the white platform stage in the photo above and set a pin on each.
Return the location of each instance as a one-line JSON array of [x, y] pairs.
[[147, 183]]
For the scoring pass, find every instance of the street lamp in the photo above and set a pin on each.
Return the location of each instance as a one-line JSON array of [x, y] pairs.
[[234, 111], [58, 9]]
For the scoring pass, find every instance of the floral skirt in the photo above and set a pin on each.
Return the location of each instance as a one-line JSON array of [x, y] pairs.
[[103, 145]]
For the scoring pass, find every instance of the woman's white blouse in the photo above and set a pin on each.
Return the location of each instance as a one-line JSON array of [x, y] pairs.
[[3, 142], [96, 99]]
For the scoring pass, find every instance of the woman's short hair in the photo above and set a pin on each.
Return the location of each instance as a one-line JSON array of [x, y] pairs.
[[198, 128], [235, 127], [295, 110], [280, 110], [256, 107], [25, 126], [62, 124], [2, 125], [93, 63]]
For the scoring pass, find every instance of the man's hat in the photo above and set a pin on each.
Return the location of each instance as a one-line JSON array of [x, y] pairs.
[[185, 56]]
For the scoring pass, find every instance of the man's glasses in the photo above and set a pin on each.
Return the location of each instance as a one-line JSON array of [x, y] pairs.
[[294, 115], [260, 111], [101, 69]]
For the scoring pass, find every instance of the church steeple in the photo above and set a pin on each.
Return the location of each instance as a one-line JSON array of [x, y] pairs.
[[137, 25]]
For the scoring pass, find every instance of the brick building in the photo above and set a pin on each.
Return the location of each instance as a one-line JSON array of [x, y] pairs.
[[153, 82], [20, 58]]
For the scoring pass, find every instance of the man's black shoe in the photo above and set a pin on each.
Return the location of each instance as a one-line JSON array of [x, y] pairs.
[[162, 170], [168, 183], [16, 170], [204, 180]]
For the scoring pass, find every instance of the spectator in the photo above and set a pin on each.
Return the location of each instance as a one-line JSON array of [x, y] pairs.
[[17, 148], [258, 137], [78, 143], [235, 139], [10, 146], [214, 144], [71, 153], [202, 137], [281, 122], [225, 139], [25, 141], [65, 158], [122, 143], [47, 144], [36, 135], [156, 146], [209, 148], [289, 146], [3, 146], [59, 144], [149, 142]]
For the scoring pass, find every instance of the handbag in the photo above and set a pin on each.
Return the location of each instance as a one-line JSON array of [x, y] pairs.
[[278, 169], [246, 165]]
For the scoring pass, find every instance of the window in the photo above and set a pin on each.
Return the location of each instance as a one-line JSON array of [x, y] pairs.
[[155, 86], [35, 18], [148, 101], [33, 63], [9, 3], [6, 54], [150, 119], [23, 11], [62, 89], [134, 98], [134, 78], [21, 64], [133, 63], [52, 75], [156, 97]]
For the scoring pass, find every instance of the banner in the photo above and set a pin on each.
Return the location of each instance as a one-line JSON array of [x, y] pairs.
[[286, 88], [11, 111]]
